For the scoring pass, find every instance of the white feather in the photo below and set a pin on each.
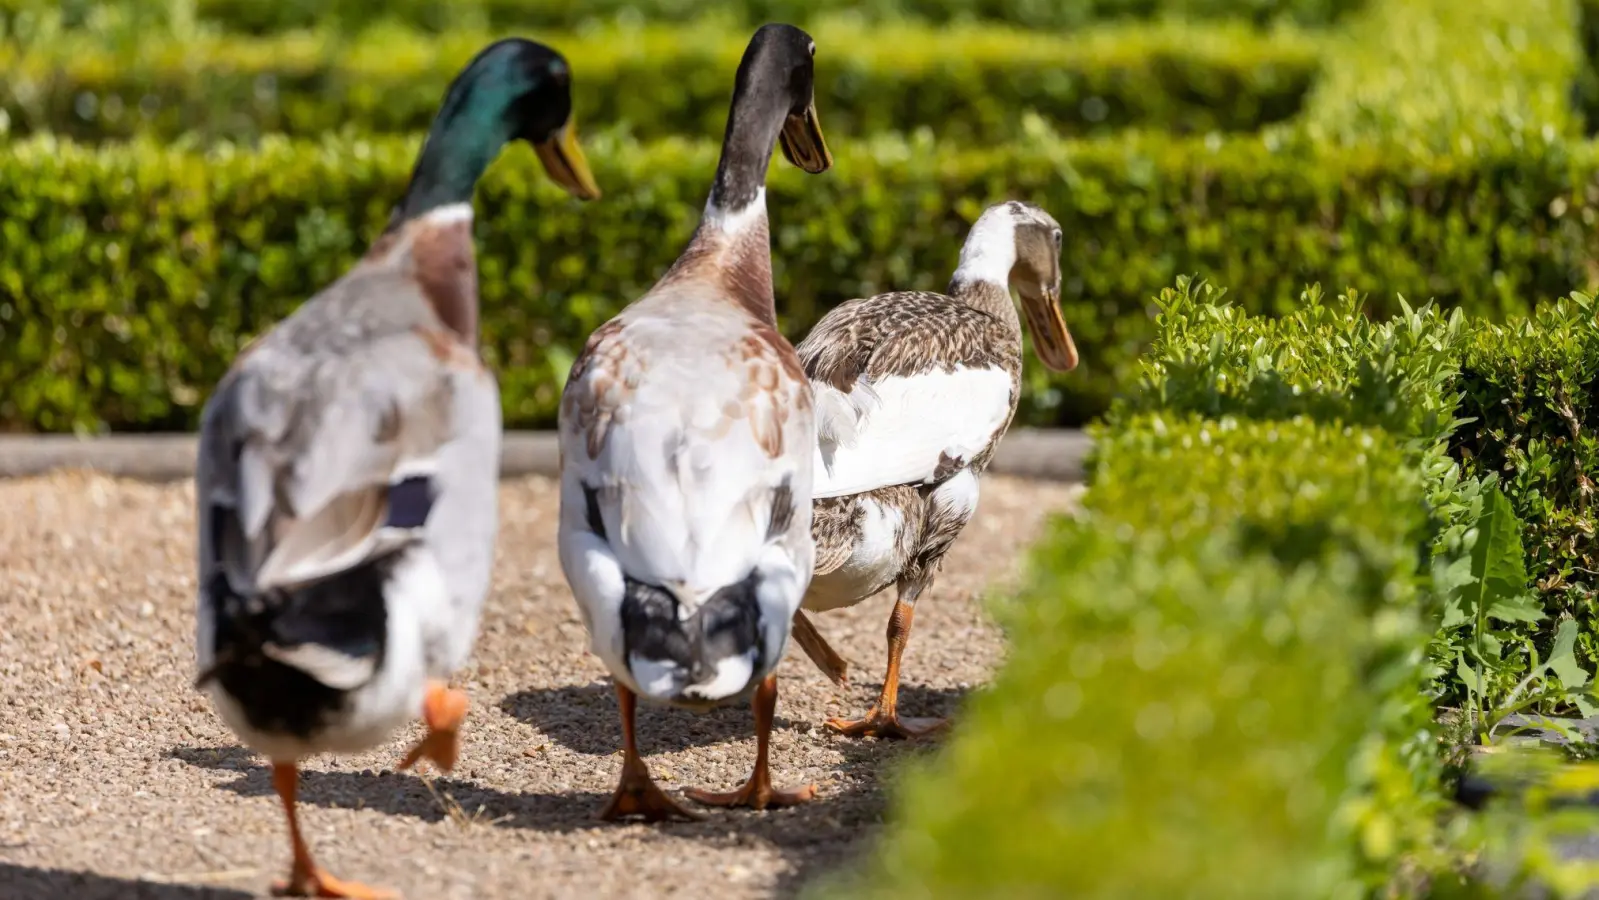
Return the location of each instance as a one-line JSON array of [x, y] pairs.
[[840, 416], [327, 665], [449, 213], [874, 562], [916, 421], [957, 497], [686, 495], [735, 221], [732, 674], [990, 249], [596, 579]]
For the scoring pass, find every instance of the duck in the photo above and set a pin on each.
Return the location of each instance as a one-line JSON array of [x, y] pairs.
[[346, 472], [686, 438], [914, 391]]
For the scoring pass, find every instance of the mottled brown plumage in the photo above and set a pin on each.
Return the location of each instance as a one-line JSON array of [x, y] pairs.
[[915, 390]]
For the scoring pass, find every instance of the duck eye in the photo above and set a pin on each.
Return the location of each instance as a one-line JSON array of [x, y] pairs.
[[1057, 236], [812, 48]]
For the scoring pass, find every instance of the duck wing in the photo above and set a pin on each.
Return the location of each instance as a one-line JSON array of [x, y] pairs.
[[910, 388]]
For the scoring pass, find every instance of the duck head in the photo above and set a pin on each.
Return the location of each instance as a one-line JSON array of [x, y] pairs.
[[1017, 245], [514, 89], [1036, 279]]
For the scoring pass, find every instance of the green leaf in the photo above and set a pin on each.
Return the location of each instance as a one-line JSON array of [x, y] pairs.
[[1468, 676], [1563, 658], [1524, 608], [1497, 561]]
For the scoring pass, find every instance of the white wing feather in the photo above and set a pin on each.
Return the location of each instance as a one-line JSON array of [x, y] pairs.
[[900, 436]]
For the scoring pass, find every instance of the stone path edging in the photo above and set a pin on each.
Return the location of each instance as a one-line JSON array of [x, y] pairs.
[[1054, 455]]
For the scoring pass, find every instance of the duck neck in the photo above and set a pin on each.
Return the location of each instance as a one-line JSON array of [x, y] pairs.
[[734, 230], [470, 130], [982, 280], [430, 231], [753, 124]]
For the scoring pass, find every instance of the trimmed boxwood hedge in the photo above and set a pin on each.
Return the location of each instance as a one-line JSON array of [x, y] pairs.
[[1198, 700], [966, 84], [1485, 77], [1217, 666], [445, 15], [129, 275]]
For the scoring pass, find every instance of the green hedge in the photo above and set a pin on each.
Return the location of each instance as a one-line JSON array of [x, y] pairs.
[[445, 15], [1585, 87], [1531, 390], [1198, 700], [1196, 667], [965, 84], [1515, 404], [1325, 359], [1489, 76], [188, 254]]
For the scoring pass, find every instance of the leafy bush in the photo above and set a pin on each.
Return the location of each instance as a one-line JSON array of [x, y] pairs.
[[967, 83], [189, 253], [439, 15], [1531, 390], [1324, 359], [1438, 76], [1171, 646], [1166, 719]]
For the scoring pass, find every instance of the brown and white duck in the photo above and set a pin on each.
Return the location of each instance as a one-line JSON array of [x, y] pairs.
[[346, 479], [687, 440], [913, 392]]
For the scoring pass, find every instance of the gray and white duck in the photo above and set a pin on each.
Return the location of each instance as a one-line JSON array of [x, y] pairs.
[[346, 479], [687, 441], [914, 391]]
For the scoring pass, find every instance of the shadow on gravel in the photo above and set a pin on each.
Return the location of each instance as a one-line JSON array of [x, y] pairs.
[[815, 839], [24, 883], [401, 794], [583, 718], [835, 833]]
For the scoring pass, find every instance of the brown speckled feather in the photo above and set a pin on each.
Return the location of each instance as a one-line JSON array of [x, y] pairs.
[[907, 333]]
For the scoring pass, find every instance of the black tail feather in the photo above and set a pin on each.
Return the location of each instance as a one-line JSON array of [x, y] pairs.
[[727, 624]]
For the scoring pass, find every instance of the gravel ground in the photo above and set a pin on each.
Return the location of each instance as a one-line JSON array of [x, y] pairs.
[[117, 780]]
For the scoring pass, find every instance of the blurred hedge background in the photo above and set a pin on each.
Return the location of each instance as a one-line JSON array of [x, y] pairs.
[[175, 175]]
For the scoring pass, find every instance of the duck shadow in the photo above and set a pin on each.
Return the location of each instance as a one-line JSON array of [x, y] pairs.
[[26, 883], [915, 700], [831, 833], [403, 794], [584, 719]]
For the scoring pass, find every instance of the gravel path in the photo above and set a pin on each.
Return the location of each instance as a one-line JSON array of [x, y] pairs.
[[117, 780]]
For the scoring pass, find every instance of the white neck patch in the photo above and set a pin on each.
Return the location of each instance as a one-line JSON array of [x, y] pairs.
[[448, 214], [736, 221], [990, 250]]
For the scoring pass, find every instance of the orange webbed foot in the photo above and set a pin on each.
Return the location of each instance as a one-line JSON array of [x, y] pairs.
[[443, 710], [638, 795], [887, 725]]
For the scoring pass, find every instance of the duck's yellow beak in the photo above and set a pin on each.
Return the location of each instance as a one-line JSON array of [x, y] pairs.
[[564, 161], [1051, 340], [802, 141]]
